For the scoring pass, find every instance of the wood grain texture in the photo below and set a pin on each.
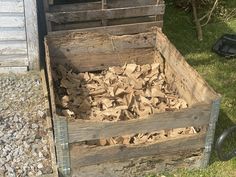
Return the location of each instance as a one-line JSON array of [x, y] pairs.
[[111, 30], [32, 33], [95, 43], [65, 17], [49, 124], [196, 116], [84, 62], [12, 20], [13, 60], [75, 7], [12, 34], [13, 47], [11, 6], [89, 156], [189, 80], [13, 69]]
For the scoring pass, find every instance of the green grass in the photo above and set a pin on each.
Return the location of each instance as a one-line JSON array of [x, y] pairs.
[[219, 72]]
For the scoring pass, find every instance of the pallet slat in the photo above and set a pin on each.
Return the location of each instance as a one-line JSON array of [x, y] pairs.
[[197, 116], [90, 156], [66, 17]]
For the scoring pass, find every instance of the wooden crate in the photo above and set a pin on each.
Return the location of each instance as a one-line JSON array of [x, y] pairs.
[[103, 13], [98, 48]]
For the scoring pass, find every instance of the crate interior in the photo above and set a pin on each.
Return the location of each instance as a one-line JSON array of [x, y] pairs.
[[95, 52]]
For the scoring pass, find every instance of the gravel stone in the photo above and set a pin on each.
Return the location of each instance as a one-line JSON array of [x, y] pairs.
[[22, 117]]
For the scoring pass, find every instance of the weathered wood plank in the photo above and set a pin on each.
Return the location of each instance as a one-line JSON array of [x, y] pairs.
[[130, 3], [12, 20], [196, 116], [13, 69], [79, 25], [13, 60], [140, 167], [11, 6], [65, 17], [189, 80], [31, 21], [49, 124], [95, 43], [89, 156], [12, 34], [75, 7], [111, 30], [94, 62], [13, 47]]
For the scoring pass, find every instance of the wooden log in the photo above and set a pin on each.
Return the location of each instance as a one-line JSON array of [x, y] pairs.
[[65, 17], [13, 60], [196, 116], [88, 156]]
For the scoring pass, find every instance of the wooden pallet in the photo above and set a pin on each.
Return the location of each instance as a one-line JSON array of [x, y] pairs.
[[140, 43], [103, 13]]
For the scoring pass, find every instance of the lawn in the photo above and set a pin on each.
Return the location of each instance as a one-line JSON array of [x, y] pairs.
[[219, 72]]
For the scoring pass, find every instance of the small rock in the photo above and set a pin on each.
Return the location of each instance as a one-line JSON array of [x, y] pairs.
[[40, 165], [34, 126], [41, 114]]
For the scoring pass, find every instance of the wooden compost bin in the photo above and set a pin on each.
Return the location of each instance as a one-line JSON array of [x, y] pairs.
[[96, 13], [92, 50]]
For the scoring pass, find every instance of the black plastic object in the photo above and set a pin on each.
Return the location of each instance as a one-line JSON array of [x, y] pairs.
[[226, 46], [219, 145]]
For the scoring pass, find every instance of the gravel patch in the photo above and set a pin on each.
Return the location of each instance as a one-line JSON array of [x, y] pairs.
[[24, 145]]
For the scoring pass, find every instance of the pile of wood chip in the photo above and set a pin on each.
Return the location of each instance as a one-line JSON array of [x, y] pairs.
[[117, 93]]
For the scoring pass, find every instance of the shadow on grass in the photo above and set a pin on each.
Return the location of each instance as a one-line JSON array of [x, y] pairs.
[[219, 72]]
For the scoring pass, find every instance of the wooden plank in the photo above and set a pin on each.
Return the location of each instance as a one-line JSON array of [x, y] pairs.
[[95, 43], [190, 81], [46, 9], [84, 62], [111, 30], [65, 17], [13, 47], [130, 3], [13, 69], [49, 123], [140, 167], [79, 25], [196, 116], [75, 7], [13, 60], [12, 34], [11, 6], [89, 156], [132, 20], [12, 20], [31, 21]]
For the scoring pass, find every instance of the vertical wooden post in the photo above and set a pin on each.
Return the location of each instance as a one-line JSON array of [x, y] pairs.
[[46, 9], [31, 23], [104, 6]]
